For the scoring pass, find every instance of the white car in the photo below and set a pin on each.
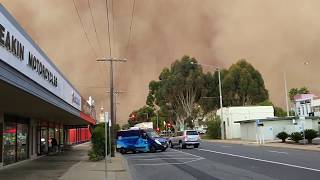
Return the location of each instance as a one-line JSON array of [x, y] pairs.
[[184, 139]]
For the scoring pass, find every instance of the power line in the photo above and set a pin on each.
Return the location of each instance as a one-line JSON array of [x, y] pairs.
[[107, 13], [130, 29], [85, 33], [94, 25]]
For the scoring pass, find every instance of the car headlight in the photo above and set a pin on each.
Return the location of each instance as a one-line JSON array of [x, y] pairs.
[[158, 142]]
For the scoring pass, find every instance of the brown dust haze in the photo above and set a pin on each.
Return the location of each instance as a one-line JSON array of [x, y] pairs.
[[274, 35]]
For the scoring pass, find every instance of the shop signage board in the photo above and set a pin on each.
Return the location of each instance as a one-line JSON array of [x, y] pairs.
[[19, 51]]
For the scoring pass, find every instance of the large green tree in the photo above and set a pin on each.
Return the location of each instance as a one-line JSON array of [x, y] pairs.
[[243, 85], [178, 90]]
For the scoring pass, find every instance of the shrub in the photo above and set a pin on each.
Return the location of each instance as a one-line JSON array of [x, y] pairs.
[[310, 134], [283, 136], [296, 136], [214, 130], [97, 151]]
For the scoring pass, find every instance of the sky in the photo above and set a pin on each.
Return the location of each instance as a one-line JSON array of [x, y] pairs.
[[275, 36]]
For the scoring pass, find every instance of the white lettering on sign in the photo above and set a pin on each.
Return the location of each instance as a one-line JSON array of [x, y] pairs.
[[20, 52]]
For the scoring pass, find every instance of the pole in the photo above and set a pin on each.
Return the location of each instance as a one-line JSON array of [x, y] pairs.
[[221, 106], [112, 109], [113, 123], [286, 91], [106, 143], [109, 142], [157, 119]]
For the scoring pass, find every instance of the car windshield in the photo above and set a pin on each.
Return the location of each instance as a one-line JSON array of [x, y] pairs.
[[153, 134], [192, 133]]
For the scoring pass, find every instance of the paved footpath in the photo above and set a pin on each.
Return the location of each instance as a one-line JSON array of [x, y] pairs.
[[72, 165]]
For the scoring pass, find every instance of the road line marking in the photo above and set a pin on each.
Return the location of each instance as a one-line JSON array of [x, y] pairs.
[[187, 153], [161, 164], [153, 159], [262, 160], [226, 146], [279, 152], [169, 155]]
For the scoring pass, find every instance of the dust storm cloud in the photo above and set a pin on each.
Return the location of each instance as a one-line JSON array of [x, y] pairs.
[[275, 36]]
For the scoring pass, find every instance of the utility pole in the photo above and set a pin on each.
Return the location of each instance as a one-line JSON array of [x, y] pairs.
[[286, 91], [113, 123]]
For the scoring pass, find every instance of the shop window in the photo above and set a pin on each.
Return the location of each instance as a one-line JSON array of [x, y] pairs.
[[43, 140], [9, 143], [22, 142]]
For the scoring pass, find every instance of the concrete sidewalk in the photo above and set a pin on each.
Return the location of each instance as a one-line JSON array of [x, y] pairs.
[[277, 144], [71, 165], [116, 170]]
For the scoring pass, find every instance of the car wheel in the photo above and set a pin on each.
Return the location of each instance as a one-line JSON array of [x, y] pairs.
[[153, 149], [184, 146], [122, 151], [196, 146], [164, 149]]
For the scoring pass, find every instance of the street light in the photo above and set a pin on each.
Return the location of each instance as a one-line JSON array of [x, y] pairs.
[[220, 95]]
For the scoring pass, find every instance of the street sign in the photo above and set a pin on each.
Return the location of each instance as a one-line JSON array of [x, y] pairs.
[[106, 117]]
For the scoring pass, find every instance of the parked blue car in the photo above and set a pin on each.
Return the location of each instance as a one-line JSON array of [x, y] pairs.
[[140, 140]]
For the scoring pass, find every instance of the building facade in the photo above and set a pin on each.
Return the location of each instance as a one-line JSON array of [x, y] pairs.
[[302, 104], [37, 102], [242, 113]]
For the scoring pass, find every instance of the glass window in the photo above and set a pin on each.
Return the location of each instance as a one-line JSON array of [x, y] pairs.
[[192, 133], [9, 143], [22, 142], [44, 140]]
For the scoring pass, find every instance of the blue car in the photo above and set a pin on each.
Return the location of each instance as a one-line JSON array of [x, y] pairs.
[[140, 140]]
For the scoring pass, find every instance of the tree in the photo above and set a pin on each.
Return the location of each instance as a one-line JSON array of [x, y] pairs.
[[143, 114], [243, 85], [178, 89], [296, 91], [214, 129], [279, 112]]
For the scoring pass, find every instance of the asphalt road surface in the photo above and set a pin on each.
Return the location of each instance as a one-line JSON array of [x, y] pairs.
[[212, 161]]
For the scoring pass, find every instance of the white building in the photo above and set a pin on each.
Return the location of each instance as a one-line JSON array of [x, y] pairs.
[[270, 127], [302, 104], [315, 107], [243, 113]]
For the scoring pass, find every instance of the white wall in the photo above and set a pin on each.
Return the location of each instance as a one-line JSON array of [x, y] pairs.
[[232, 114], [272, 128]]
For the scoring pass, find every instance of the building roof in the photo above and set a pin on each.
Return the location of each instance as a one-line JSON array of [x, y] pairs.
[[304, 97], [277, 119]]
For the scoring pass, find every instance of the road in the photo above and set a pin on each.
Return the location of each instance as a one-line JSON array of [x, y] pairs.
[[213, 161]]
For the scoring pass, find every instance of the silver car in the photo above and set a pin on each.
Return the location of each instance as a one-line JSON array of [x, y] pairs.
[[184, 139]]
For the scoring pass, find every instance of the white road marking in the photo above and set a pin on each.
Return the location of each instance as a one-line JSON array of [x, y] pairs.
[[169, 155], [262, 160], [193, 158], [153, 159], [161, 164], [279, 152], [187, 153], [225, 146]]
